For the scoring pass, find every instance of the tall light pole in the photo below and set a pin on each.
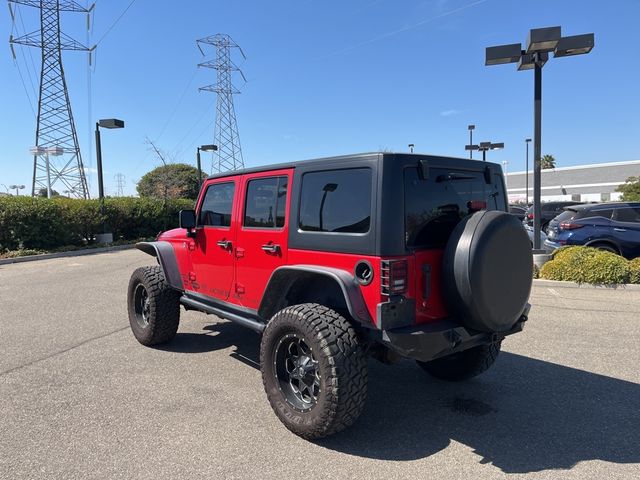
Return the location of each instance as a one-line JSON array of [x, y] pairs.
[[526, 173], [105, 123], [471, 128], [16, 187], [540, 42], [411, 145], [483, 147], [204, 148]]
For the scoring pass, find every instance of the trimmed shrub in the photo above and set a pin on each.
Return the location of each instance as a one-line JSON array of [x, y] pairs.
[[586, 265], [634, 270], [46, 224]]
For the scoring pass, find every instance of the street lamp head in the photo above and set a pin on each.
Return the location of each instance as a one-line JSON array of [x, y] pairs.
[[503, 54], [574, 45], [471, 127], [496, 146], [543, 39], [471, 147], [111, 123], [209, 148], [527, 140]]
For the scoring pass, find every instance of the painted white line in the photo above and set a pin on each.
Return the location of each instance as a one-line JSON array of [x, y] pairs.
[[553, 291]]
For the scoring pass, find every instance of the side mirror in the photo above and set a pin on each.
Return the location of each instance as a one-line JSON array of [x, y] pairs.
[[187, 219]]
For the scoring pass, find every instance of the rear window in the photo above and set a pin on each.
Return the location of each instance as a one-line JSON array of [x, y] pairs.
[[567, 216], [434, 206], [336, 201]]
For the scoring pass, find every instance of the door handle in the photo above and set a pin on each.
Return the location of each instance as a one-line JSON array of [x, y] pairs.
[[226, 244], [620, 229], [271, 248]]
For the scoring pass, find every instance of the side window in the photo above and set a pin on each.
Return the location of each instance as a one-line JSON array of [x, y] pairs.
[[217, 205], [265, 202], [628, 214], [336, 201], [606, 213]]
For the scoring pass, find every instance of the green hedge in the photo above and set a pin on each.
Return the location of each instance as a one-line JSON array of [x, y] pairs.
[[634, 270], [589, 265], [42, 223]]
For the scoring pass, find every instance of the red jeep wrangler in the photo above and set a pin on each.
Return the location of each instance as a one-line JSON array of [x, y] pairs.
[[332, 260]]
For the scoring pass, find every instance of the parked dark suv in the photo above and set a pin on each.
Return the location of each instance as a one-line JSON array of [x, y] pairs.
[[336, 259], [609, 226], [549, 211]]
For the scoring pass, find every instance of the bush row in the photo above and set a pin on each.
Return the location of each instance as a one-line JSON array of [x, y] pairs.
[[590, 265], [42, 223]]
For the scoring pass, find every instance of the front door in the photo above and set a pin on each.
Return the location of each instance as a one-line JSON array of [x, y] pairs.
[[212, 256], [262, 233]]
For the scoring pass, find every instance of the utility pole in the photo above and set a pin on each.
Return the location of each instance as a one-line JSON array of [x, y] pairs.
[[120, 181], [225, 136], [55, 126]]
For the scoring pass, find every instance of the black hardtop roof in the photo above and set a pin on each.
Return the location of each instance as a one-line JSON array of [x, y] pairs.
[[454, 161]]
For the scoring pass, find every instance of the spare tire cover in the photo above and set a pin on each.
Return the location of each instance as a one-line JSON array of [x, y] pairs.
[[488, 271]]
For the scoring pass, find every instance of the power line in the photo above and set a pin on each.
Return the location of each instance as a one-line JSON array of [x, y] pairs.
[[114, 23]]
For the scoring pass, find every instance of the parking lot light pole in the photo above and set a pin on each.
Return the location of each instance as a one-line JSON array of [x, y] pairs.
[[204, 148], [483, 147], [526, 173], [540, 42], [17, 188], [471, 128], [105, 123]]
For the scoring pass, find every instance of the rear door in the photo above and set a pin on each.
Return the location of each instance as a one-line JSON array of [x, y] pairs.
[[212, 255], [626, 230], [262, 239]]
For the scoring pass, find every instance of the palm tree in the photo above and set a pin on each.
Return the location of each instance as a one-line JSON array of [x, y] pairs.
[[548, 161]]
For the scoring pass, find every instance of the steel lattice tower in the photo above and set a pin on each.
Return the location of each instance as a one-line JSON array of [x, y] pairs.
[[56, 139], [229, 153]]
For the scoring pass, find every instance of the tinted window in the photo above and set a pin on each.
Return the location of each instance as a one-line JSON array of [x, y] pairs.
[[567, 216], [217, 205], [336, 201], [434, 206], [606, 213], [265, 203], [628, 214]]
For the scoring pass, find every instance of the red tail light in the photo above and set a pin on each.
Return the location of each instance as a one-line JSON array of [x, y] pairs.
[[393, 277], [530, 216], [477, 205], [570, 225]]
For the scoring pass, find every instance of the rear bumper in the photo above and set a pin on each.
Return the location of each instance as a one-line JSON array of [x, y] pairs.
[[438, 339], [550, 245]]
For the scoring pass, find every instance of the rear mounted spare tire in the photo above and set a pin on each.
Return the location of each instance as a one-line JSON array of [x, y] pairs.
[[488, 271]]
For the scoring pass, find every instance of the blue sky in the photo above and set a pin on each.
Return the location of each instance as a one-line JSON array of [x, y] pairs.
[[333, 77]]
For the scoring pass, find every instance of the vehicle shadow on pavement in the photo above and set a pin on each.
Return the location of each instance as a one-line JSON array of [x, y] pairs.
[[524, 415], [219, 336]]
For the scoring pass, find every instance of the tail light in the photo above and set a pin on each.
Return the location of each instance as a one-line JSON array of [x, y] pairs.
[[530, 216], [393, 277], [570, 225]]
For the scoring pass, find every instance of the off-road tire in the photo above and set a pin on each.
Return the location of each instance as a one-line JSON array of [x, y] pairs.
[[163, 313], [463, 365], [341, 365]]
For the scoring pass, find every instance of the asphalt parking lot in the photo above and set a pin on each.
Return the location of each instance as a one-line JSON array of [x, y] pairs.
[[80, 398]]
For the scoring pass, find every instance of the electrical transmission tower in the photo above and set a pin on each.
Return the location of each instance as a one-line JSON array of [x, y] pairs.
[[229, 153], [56, 155], [120, 181]]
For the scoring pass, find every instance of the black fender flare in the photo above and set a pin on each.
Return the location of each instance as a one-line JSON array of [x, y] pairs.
[[283, 278], [166, 256]]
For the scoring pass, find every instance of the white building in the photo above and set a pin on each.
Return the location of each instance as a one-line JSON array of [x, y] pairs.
[[582, 183]]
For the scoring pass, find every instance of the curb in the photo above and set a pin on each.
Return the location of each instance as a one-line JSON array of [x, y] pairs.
[[556, 283], [72, 253]]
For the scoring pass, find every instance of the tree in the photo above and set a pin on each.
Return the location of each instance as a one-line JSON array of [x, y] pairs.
[[548, 161], [43, 193], [173, 180], [630, 190]]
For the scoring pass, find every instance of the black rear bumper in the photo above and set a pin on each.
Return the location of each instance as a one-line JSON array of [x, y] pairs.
[[444, 337]]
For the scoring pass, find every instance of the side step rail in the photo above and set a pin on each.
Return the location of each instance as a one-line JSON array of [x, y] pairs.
[[203, 307]]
